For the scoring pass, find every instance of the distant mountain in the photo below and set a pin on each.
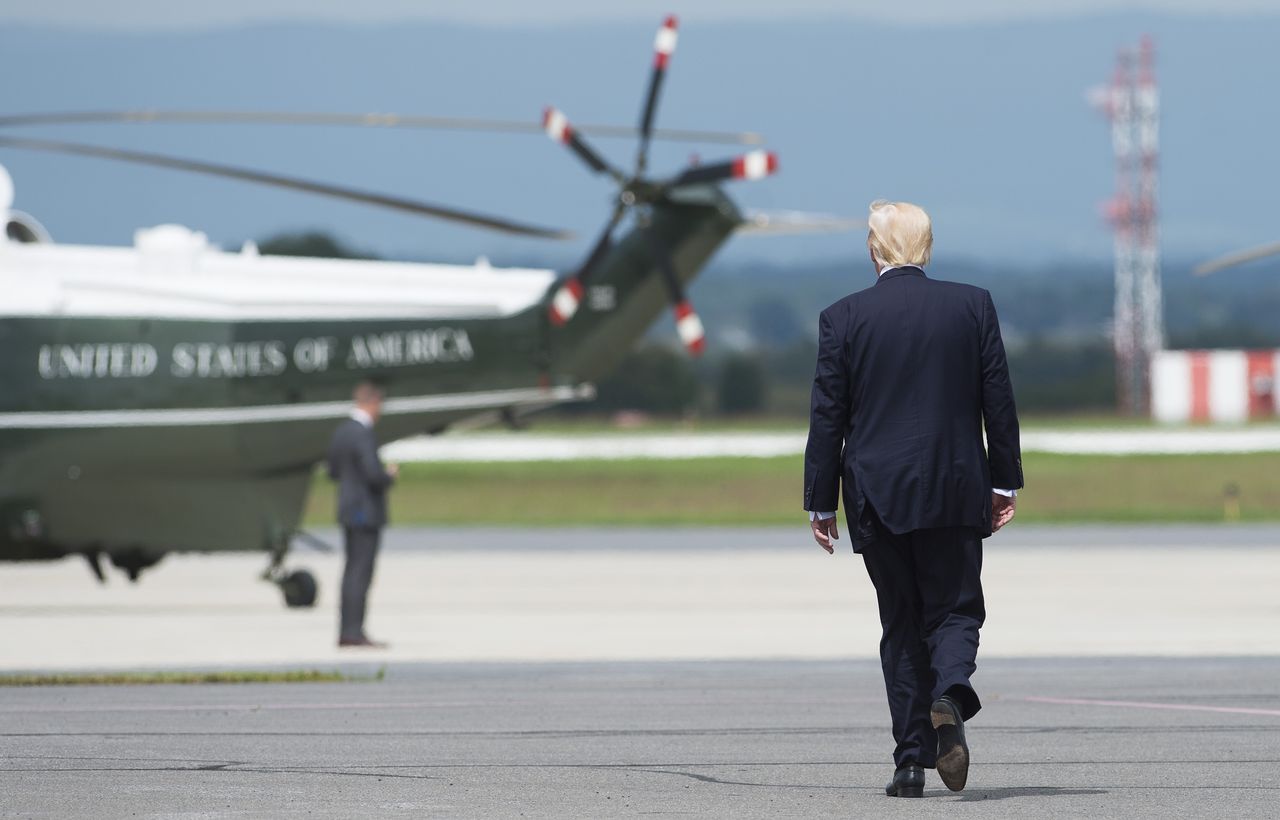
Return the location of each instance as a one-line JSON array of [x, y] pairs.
[[986, 125]]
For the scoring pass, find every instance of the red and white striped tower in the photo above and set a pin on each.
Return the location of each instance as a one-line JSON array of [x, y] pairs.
[[1118, 104], [1146, 100], [1132, 102]]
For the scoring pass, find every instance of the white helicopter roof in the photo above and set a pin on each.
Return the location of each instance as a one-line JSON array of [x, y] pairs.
[[173, 272]]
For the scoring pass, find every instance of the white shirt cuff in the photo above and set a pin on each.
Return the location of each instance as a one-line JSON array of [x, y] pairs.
[[814, 515], [1006, 493]]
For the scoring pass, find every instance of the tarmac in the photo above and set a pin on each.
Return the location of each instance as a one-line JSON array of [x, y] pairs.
[[608, 594], [1125, 672], [1093, 738]]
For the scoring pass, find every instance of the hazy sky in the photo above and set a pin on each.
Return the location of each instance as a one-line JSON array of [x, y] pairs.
[[998, 140], [135, 14]]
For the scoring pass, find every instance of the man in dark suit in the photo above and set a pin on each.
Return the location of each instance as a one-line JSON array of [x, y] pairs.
[[909, 372], [362, 506]]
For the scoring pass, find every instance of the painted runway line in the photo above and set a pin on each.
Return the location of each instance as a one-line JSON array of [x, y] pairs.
[[1138, 704], [229, 707]]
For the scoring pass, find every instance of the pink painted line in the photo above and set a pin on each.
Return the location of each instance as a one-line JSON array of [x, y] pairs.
[[225, 707], [1137, 704]]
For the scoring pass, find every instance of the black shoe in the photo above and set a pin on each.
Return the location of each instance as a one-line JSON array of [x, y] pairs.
[[362, 642], [907, 782], [953, 751]]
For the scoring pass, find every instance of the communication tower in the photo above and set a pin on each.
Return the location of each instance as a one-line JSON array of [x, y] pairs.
[[1132, 103]]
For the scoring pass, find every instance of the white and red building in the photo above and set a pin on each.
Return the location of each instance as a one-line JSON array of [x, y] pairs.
[[1231, 386]]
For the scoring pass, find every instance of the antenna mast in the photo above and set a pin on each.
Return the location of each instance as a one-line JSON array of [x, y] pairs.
[[1132, 104], [1150, 295]]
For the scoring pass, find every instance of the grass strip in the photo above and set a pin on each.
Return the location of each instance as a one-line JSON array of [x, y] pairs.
[[767, 491], [187, 678]]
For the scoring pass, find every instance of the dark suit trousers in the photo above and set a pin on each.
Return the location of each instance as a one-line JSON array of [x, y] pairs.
[[362, 548], [929, 589]]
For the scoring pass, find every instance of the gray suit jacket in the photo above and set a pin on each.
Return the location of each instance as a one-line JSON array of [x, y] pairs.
[[362, 480]]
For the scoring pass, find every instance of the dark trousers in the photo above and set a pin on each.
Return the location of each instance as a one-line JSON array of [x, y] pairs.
[[361, 548], [929, 587]]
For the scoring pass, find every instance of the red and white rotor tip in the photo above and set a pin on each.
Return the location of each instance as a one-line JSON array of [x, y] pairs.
[[755, 165], [566, 301], [665, 43], [556, 125], [690, 329]]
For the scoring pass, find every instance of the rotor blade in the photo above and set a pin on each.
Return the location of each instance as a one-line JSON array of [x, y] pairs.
[[755, 165], [1237, 258], [558, 128], [569, 295], [279, 181], [373, 120], [664, 45], [688, 325], [786, 223]]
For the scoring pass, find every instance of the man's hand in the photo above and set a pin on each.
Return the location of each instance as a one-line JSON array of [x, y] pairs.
[[393, 469], [1002, 509], [825, 533]]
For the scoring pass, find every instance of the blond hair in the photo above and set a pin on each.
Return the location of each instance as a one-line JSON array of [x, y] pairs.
[[901, 234]]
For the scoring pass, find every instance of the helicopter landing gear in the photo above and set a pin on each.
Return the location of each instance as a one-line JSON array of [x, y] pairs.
[[95, 566], [299, 586], [133, 562]]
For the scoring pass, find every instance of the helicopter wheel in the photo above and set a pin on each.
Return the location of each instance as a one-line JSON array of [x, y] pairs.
[[299, 588], [134, 561]]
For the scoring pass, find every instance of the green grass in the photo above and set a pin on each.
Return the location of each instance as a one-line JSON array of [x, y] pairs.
[[625, 492], [153, 678], [763, 491], [1182, 488]]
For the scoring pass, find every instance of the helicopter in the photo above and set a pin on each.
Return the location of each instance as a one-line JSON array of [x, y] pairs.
[[174, 397]]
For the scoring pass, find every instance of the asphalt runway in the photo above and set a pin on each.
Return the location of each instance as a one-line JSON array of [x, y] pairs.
[[1131, 738], [1126, 671]]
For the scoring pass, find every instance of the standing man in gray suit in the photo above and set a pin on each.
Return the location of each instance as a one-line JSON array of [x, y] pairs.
[[362, 506]]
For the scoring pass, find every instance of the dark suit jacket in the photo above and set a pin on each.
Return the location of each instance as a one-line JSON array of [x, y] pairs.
[[362, 480], [908, 372]]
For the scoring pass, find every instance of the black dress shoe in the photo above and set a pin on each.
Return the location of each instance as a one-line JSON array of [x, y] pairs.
[[361, 642], [907, 781], [953, 751]]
